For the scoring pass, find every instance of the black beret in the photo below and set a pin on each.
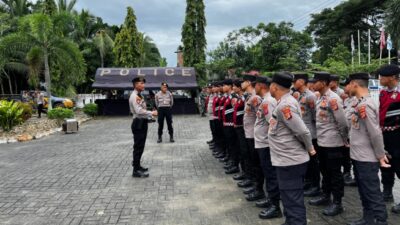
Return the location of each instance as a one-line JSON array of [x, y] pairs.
[[284, 79], [209, 85], [322, 76], [311, 80], [248, 77], [263, 80], [138, 79], [335, 77], [345, 82], [238, 82], [299, 76], [359, 76], [228, 82], [219, 84], [389, 70], [164, 84]]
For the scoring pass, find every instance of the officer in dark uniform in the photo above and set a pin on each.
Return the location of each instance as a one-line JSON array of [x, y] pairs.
[[164, 101], [139, 125], [389, 118], [367, 151], [290, 143]]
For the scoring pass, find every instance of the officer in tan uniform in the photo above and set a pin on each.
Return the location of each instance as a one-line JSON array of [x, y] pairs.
[[307, 100], [334, 85], [139, 125], [290, 143], [332, 136], [367, 151], [164, 102]]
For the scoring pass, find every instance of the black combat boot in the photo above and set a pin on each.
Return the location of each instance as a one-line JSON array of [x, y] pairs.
[[323, 199], [239, 176], [348, 180], [387, 194], [256, 195], [139, 173], [312, 192], [245, 183], [171, 138], [396, 209], [263, 203], [274, 211], [361, 221], [159, 139], [334, 209]]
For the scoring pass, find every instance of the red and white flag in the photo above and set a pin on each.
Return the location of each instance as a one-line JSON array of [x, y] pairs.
[[382, 39]]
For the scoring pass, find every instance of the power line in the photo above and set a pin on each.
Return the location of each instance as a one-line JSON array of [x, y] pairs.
[[317, 8]]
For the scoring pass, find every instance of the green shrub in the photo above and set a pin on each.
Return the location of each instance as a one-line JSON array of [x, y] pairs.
[[60, 114], [11, 114], [91, 109], [27, 110]]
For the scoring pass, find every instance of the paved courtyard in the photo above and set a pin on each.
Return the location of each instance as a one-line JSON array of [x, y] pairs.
[[85, 178]]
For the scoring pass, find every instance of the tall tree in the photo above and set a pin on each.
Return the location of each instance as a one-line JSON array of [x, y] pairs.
[[128, 43], [392, 21], [52, 53], [193, 37], [103, 43], [17, 8], [66, 6]]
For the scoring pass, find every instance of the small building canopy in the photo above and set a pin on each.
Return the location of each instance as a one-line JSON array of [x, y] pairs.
[[177, 78]]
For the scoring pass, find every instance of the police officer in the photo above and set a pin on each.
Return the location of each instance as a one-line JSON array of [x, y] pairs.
[[267, 172], [209, 101], [389, 118], [367, 151], [139, 125], [307, 101], [203, 101], [164, 102], [290, 143], [332, 135], [334, 85]]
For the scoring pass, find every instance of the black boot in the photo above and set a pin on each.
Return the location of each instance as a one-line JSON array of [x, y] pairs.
[[256, 195], [312, 192], [348, 180], [249, 190], [320, 200], [245, 183], [387, 194], [272, 212], [171, 138], [361, 221], [232, 170], [334, 209], [159, 139], [396, 209], [144, 169], [139, 173], [238, 177], [263, 203]]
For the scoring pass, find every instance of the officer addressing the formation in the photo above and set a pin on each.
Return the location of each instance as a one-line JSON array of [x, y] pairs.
[[164, 102], [139, 125], [290, 143], [367, 151]]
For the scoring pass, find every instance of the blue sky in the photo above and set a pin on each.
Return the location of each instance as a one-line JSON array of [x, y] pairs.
[[162, 19]]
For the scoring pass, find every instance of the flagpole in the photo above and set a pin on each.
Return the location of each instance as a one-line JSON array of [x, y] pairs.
[[352, 50], [389, 57], [359, 49], [369, 46]]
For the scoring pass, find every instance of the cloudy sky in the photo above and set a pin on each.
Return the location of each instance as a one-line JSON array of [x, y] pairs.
[[162, 19]]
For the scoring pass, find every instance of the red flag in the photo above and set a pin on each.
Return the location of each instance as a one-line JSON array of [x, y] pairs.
[[382, 39]]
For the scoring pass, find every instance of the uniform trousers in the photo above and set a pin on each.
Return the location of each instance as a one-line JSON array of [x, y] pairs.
[[313, 176], [331, 159], [243, 157], [250, 155], [213, 131], [232, 144], [221, 144], [269, 172], [346, 160], [366, 175], [165, 113], [392, 146], [139, 130], [291, 182]]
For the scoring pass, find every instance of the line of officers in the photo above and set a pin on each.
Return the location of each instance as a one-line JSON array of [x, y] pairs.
[[284, 133]]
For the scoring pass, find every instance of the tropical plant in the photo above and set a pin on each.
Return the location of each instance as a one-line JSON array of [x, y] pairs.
[[91, 109], [60, 114], [11, 114], [17, 8], [27, 110], [103, 43], [392, 20]]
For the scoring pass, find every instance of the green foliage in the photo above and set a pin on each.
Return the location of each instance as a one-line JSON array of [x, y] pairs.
[[344, 70], [91, 109], [392, 21], [60, 113], [128, 43], [193, 38], [27, 110], [11, 114], [104, 43]]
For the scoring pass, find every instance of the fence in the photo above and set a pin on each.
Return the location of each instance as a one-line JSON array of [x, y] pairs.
[[83, 99]]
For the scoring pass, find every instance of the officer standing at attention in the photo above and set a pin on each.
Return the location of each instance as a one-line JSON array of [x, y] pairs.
[[332, 136], [139, 125], [164, 102], [367, 151], [389, 118], [290, 143], [334, 85], [307, 101], [268, 172]]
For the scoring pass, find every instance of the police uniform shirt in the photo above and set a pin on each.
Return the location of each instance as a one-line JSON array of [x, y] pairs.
[[250, 109], [238, 110], [164, 99], [307, 101], [366, 140], [332, 129], [288, 136], [338, 91], [137, 106], [264, 114], [210, 107]]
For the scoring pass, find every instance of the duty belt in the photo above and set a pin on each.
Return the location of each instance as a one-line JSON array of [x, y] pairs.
[[228, 111], [391, 128], [228, 124]]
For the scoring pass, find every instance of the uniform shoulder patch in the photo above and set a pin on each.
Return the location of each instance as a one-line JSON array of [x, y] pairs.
[[265, 108], [362, 110], [287, 113], [234, 101], [334, 104], [256, 101], [138, 99]]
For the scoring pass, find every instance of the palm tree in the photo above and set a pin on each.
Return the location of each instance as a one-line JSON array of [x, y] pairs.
[[65, 6], [393, 21], [103, 43], [17, 8], [45, 49]]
